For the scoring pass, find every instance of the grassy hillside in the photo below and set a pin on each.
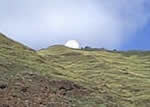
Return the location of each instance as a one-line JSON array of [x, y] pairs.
[[118, 78], [16, 57], [64, 77]]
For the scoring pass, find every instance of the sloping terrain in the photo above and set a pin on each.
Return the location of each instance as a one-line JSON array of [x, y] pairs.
[[121, 79], [64, 77], [27, 80]]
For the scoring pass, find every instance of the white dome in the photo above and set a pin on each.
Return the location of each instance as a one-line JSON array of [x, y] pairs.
[[73, 44]]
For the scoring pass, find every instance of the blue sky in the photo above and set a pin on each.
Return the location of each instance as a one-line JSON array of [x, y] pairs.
[[112, 24], [140, 40]]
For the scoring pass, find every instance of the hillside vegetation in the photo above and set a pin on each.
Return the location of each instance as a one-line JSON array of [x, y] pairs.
[[63, 77]]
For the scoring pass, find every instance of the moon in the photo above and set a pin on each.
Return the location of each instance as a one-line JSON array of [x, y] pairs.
[[73, 44]]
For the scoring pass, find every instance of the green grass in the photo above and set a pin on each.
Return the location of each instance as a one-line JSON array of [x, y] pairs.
[[116, 79], [125, 76]]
